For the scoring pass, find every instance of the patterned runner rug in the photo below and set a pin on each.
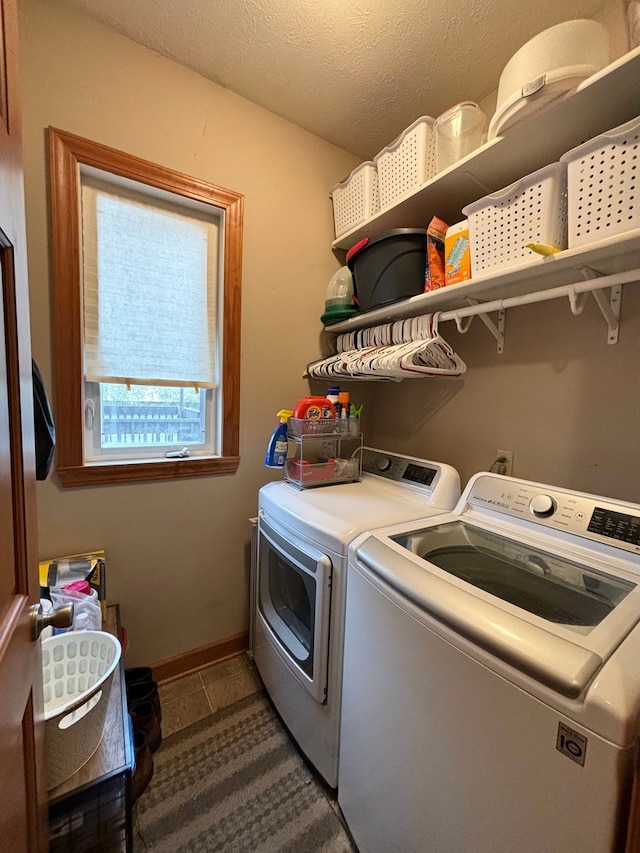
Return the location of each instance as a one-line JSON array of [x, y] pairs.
[[235, 783]]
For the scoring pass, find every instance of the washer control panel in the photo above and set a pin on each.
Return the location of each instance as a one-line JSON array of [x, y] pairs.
[[400, 469], [584, 515]]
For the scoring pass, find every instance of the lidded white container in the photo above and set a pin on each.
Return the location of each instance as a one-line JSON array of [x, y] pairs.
[[458, 132], [549, 65]]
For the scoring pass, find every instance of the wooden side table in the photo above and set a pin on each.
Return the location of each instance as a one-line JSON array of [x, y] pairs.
[[92, 810]]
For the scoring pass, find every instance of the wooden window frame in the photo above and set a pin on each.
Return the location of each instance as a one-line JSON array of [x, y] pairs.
[[67, 153]]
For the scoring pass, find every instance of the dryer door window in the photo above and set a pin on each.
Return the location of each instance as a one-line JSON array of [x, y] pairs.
[[294, 589], [291, 596]]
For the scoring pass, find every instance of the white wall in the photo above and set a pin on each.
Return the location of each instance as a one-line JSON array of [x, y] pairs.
[[177, 552]]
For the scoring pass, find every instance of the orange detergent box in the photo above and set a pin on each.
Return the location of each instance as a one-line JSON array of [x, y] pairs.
[[457, 252], [434, 273]]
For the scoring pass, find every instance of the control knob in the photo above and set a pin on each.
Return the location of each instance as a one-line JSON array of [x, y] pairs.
[[384, 463], [542, 506]]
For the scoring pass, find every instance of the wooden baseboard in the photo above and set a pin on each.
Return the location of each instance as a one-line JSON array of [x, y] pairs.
[[195, 659]]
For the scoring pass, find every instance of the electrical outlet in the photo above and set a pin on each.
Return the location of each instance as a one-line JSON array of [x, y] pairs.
[[507, 455]]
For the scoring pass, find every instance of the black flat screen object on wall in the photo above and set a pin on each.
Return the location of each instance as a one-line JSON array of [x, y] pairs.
[[45, 431]]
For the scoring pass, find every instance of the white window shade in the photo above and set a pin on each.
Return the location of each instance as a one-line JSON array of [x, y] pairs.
[[150, 290]]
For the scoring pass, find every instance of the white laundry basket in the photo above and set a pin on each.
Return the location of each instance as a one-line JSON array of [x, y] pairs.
[[603, 180], [77, 672]]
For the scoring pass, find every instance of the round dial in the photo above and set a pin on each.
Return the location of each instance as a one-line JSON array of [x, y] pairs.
[[542, 505], [384, 463]]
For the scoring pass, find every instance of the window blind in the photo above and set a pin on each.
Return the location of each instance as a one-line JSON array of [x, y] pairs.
[[150, 274]]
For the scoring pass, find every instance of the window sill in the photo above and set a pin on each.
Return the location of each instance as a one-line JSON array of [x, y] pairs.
[[122, 471]]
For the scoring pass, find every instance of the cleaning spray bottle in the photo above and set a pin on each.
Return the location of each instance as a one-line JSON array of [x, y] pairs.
[[277, 447]]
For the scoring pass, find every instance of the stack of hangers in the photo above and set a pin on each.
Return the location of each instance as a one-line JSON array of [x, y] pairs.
[[406, 349]]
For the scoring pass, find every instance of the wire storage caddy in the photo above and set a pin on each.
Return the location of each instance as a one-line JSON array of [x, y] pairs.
[[325, 452]]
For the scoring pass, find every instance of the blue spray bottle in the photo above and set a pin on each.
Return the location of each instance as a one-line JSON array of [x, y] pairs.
[[277, 447]]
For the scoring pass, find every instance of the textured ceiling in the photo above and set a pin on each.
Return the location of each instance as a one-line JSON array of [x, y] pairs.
[[354, 72]]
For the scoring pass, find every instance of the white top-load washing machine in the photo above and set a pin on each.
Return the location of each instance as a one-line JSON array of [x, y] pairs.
[[491, 697], [301, 558]]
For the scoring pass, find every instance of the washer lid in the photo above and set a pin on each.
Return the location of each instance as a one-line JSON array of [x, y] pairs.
[[558, 629], [552, 660], [574, 641], [556, 589]]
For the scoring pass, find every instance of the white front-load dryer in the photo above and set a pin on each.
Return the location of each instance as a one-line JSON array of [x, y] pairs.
[[300, 583]]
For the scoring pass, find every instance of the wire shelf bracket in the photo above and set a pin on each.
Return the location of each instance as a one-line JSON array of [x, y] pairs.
[[497, 329], [610, 310], [577, 294]]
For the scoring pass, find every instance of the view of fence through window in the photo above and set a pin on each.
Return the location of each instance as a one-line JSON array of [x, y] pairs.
[[146, 415]]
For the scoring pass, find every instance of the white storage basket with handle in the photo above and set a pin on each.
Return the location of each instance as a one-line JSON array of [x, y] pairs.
[[355, 199], [77, 672], [408, 162], [603, 180], [531, 210]]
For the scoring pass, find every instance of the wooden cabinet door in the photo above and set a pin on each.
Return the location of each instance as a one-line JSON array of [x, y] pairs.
[[22, 790]]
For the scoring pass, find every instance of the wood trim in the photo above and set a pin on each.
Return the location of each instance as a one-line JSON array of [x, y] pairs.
[[67, 153], [199, 658], [127, 472], [231, 346], [22, 741]]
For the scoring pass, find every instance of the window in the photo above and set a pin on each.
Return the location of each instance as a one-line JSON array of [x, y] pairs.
[[150, 271], [147, 269]]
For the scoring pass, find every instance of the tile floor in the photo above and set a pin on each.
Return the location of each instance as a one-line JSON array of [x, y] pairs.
[[193, 697]]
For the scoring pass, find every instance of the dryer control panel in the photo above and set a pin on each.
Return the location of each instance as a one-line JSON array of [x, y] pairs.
[[400, 469], [613, 523]]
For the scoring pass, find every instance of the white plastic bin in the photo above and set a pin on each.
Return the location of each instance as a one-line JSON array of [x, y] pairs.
[[603, 183], [408, 162], [531, 210], [355, 199], [458, 132]]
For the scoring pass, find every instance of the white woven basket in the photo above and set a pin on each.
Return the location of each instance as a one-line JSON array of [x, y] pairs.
[[355, 199], [531, 210], [408, 162], [603, 179], [77, 671]]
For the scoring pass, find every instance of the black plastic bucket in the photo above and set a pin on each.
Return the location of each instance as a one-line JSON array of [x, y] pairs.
[[388, 267]]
